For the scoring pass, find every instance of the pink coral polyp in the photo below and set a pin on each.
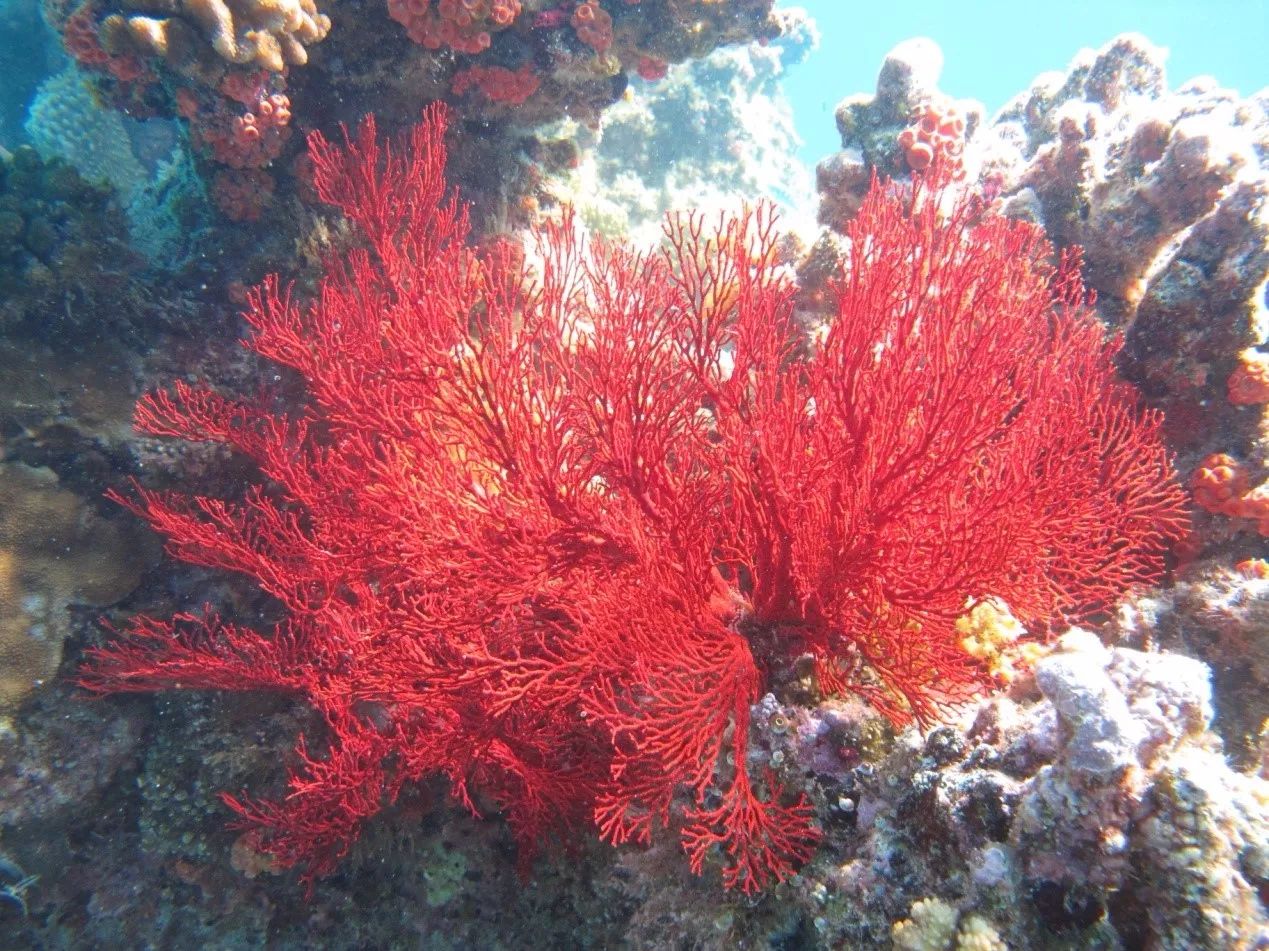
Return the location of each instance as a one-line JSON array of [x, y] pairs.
[[937, 133]]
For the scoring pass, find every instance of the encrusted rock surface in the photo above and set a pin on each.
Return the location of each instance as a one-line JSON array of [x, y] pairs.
[[1091, 808]]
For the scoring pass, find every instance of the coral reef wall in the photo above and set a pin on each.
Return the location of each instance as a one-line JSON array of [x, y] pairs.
[[64, 246], [1091, 807], [1165, 190], [1109, 797], [55, 553], [244, 73]]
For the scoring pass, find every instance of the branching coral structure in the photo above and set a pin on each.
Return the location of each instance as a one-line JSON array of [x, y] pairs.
[[548, 531]]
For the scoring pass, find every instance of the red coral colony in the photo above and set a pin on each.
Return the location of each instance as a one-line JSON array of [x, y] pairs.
[[548, 532]]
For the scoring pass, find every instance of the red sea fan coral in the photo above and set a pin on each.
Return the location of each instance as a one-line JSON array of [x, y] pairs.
[[547, 533]]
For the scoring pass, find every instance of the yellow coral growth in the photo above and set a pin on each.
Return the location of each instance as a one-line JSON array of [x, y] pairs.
[[979, 934], [934, 925], [989, 633], [930, 927]]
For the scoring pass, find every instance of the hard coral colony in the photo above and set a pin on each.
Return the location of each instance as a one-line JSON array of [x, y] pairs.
[[235, 72], [549, 535]]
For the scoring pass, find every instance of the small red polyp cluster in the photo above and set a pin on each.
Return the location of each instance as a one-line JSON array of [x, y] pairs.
[[271, 113], [499, 84], [248, 139], [244, 124], [651, 69], [242, 194], [937, 133], [461, 25], [79, 36], [246, 88], [1249, 383], [593, 25]]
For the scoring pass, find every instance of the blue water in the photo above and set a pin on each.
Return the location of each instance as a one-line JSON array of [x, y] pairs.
[[991, 56]]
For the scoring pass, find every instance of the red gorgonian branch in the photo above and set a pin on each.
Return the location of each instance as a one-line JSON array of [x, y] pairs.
[[545, 532]]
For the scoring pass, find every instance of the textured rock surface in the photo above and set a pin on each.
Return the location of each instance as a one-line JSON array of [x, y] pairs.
[[224, 65], [1165, 190], [1091, 808], [1220, 613], [710, 135], [65, 262], [55, 552]]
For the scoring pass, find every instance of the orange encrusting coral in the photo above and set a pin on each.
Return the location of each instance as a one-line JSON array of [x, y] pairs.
[[497, 83], [82, 42], [461, 25], [651, 69], [593, 25], [242, 194], [1221, 485]]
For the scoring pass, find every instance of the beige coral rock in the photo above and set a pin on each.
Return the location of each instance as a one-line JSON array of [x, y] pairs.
[[54, 552], [979, 934], [270, 34], [931, 927]]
